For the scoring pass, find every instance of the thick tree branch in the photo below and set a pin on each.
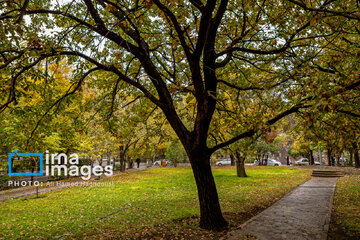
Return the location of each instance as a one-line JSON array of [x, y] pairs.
[[95, 15], [220, 13], [198, 4], [205, 21], [348, 113], [353, 86], [22, 11], [251, 132], [177, 28]]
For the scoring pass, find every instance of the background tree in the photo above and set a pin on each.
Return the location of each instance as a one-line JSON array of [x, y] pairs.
[[174, 153], [242, 149], [263, 150]]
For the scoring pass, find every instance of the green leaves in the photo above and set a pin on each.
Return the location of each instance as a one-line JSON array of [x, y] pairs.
[[174, 153]]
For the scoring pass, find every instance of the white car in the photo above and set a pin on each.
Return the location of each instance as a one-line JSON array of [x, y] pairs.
[[270, 162], [305, 161], [273, 162], [225, 162]]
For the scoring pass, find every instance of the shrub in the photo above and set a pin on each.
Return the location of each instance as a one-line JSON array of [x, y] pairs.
[[174, 153]]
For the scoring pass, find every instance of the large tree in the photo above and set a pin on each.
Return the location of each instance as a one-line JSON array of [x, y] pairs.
[[167, 50]]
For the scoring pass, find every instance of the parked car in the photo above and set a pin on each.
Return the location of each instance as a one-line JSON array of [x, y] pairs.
[[305, 161], [162, 162], [270, 162], [273, 162], [225, 162]]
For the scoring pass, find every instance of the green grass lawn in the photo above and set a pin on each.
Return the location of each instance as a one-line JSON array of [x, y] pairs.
[[346, 209], [158, 197]]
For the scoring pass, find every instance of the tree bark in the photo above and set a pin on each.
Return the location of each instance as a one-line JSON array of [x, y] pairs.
[[240, 165], [356, 155], [311, 161], [210, 211], [122, 165], [357, 159], [122, 159], [329, 156], [130, 163], [337, 161], [266, 160], [351, 152]]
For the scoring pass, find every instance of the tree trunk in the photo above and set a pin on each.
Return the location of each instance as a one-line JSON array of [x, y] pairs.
[[351, 152], [210, 211], [337, 157], [357, 159], [266, 160], [356, 156], [240, 165], [122, 159], [311, 161], [130, 163], [329, 156], [232, 159], [122, 165]]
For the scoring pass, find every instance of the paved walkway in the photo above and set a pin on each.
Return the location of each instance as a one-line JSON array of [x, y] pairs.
[[304, 213]]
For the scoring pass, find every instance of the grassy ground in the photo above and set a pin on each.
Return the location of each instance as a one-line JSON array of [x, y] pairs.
[[163, 205], [346, 211]]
